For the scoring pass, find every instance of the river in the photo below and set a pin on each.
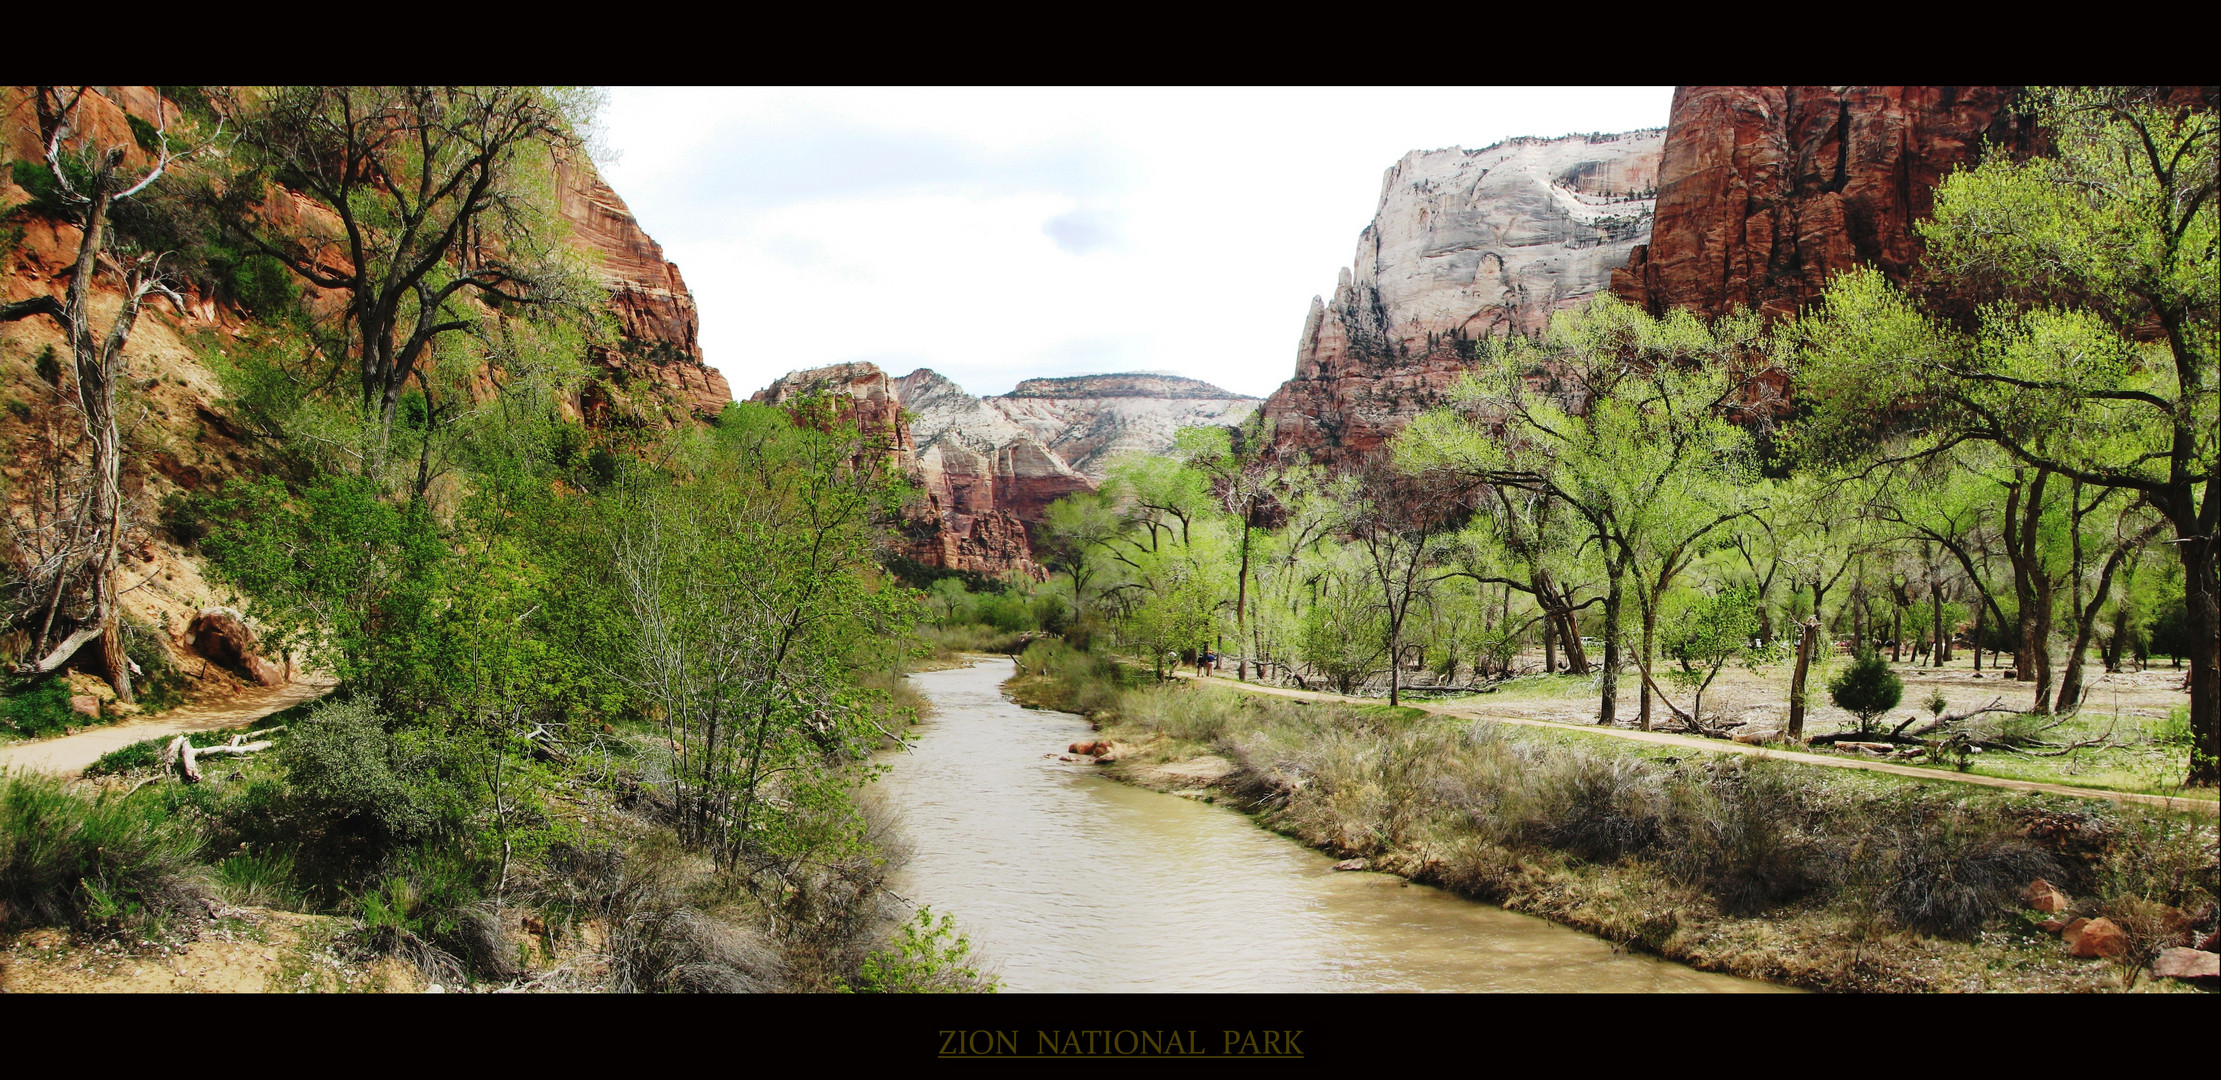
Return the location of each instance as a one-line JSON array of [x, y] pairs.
[[1067, 881]]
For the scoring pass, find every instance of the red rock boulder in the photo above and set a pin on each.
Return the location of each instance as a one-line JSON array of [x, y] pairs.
[[2044, 896], [221, 638], [2187, 964], [2088, 938]]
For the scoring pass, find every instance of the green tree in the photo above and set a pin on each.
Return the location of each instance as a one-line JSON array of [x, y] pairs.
[[1705, 636], [1626, 421], [440, 203], [2117, 234]]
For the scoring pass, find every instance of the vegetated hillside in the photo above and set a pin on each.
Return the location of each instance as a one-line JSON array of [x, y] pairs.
[[1465, 244], [184, 436]]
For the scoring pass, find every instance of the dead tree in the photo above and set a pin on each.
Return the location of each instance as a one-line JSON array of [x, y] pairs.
[[93, 542]]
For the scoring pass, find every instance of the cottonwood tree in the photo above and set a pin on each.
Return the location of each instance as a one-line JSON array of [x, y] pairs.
[[2097, 363], [1400, 525], [429, 205], [85, 562], [1618, 416], [1247, 485]]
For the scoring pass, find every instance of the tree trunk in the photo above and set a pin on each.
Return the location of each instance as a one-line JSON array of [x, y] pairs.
[[1942, 636], [1610, 676], [1241, 602], [1549, 644], [1650, 635], [1979, 611], [2202, 598], [1805, 642]]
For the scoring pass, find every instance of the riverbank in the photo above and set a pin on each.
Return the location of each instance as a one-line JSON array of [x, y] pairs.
[[1790, 873]]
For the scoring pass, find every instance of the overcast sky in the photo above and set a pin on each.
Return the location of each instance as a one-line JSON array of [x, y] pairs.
[[996, 235]]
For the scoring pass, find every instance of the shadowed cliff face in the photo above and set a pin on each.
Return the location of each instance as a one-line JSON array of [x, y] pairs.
[[1765, 192], [1464, 244]]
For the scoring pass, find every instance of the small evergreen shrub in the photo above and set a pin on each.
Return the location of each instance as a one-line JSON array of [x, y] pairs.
[[1867, 689]]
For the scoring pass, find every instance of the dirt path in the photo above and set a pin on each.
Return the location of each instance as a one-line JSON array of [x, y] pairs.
[[70, 754], [1721, 747]]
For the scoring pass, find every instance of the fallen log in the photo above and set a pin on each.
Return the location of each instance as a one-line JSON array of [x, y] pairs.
[[185, 757]]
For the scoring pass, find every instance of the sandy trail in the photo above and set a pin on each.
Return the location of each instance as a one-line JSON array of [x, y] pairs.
[[1718, 746], [69, 754]]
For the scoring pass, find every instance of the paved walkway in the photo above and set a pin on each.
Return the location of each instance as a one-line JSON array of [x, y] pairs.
[[1720, 746], [69, 754]]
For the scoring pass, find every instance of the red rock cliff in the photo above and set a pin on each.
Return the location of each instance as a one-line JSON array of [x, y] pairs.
[[980, 477], [658, 324], [1764, 192]]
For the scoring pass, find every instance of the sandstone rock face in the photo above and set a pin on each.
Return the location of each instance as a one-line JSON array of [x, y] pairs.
[[2094, 938], [1764, 192], [657, 319], [2044, 896], [1464, 243], [1089, 420], [988, 468]]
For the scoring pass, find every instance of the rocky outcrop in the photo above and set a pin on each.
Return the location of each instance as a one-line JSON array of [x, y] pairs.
[[980, 477], [1464, 244], [984, 460], [1089, 420], [219, 636], [1764, 192], [658, 348], [988, 468]]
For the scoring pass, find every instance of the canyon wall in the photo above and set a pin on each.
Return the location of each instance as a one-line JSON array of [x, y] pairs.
[[1089, 420], [1764, 192], [657, 350], [1463, 244], [988, 468], [651, 373]]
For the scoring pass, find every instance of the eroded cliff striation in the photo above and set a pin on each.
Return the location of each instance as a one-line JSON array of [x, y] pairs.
[[988, 468], [1464, 244], [975, 471]]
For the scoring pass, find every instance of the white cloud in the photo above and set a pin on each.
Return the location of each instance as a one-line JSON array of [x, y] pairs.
[[1000, 234]]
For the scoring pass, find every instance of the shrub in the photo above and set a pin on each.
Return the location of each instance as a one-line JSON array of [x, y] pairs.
[[108, 862], [426, 909], [1599, 807], [1866, 689], [925, 957], [342, 765]]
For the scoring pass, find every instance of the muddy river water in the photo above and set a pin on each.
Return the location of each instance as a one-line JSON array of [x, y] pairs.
[[1068, 881]]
